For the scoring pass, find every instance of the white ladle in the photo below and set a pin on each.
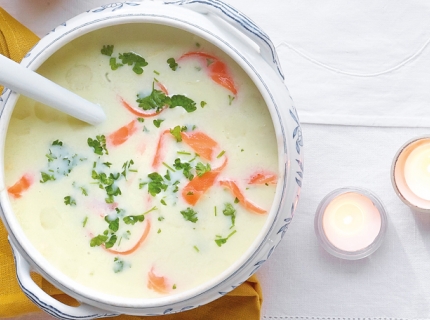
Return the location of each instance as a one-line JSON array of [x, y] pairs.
[[31, 84]]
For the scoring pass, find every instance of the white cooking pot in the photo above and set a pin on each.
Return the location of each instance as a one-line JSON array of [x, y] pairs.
[[252, 49]]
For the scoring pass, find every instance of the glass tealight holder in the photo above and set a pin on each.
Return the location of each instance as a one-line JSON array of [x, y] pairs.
[[410, 173], [350, 223]]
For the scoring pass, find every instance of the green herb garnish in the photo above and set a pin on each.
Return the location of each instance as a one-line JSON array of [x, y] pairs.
[[222, 241], [133, 219], [98, 144], [201, 169], [68, 200], [113, 64], [131, 58], [172, 64], [229, 211], [157, 122], [107, 50], [46, 177], [157, 184], [190, 215]]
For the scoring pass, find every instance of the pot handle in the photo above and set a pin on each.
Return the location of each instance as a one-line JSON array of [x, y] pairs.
[[46, 302], [242, 23]]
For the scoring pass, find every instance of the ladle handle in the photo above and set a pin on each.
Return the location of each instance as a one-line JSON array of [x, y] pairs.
[[31, 84]]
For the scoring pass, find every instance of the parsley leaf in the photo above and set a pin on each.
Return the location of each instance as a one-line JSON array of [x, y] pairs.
[[179, 100], [113, 64], [157, 122], [190, 215], [133, 219], [156, 100], [229, 211], [202, 104], [201, 169], [111, 242], [46, 177], [107, 50], [172, 64], [57, 143], [98, 144], [157, 184], [131, 58], [69, 201], [176, 132], [113, 224], [98, 240], [222, 241], [185, 167]]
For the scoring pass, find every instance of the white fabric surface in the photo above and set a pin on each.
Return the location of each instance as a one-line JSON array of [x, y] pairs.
[[364, 62]]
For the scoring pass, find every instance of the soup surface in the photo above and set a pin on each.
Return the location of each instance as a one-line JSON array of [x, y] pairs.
[[167, 193]]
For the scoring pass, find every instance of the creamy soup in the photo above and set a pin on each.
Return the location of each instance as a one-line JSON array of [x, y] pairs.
[[167, 193]]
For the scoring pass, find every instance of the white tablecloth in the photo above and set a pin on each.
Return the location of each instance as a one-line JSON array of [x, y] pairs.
[[364, 65]]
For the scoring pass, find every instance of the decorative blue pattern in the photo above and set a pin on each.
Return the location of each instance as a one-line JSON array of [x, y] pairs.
[[284, 228], [297, 133], [114, 6]]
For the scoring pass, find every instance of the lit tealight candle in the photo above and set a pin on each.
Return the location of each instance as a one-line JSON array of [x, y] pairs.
[[350, 223], [410, 173]]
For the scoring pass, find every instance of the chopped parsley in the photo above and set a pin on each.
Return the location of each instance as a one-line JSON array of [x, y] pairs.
[[134, 59], [202, 104], [157, 122], [157, 99], [68, 200], [111, 242], [133, 219], [159, 230], [230, 99], [236, 200], [46, 177], [98, 144], [179, 100], [57, 143], [172, 64], [141, 119], [163, 202], [98, 240], [185, 167], [84, 191], [176, 132], [107, 50], [229, 211], [156, 72], [113, 224], [84, 223], [201, 169], [220, 154], [156, 185], [114, 65], [220, 241], [190, 215], [126, 167], [197, 249], [160, 218]]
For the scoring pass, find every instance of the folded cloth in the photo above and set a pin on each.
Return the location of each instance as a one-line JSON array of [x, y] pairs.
[[244, 302]]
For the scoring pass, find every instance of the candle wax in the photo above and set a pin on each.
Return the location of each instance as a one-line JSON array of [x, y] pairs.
[[417, 171], [351, 222]]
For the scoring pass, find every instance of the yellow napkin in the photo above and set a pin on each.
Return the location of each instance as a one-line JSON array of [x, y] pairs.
[[244, 302]]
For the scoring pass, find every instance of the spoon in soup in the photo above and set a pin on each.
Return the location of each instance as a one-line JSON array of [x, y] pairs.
[[30, 84]]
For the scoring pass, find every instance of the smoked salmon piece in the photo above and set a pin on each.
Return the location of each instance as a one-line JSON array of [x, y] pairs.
[[20, 186], [263, 177], [201, 143], [232, 186], [193, 191], [217, 69], [157, 283], [122, 134]]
